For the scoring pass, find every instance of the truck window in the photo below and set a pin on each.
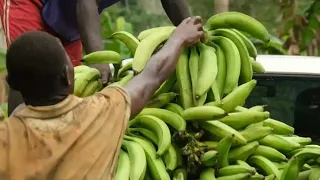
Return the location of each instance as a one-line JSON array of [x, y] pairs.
[[292, 100]]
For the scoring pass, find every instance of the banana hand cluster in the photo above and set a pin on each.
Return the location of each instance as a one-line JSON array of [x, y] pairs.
[[86, 81]]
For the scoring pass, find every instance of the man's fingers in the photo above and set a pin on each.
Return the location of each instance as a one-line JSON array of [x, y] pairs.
[[186, 20], [201, 35], [199, 27], [198, 20]]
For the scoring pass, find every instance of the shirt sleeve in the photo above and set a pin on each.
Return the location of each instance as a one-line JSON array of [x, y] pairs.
[[3, 147]]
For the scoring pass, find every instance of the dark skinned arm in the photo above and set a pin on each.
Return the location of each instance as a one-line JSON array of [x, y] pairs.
[[88, 20], [177, 10], [162, 64]]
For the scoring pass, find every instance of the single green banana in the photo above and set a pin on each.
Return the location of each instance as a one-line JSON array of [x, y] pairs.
[[264, 164], [291, 171], [207, 174], [161, 100], [257, 66], [237, 96], [212, 145], [239, 21], [179, 174], [301, 140], [148, 32], [255, 125], [250, 46], [123, 69], [279, 143], [80, 69], [201, 100], [184, 81], [158, 127], [90, 89], [81, 82], [315, 174], [259, 108], [170, 158], [174, 108], [208, 70], [222, 70], [242, 163], [138, 162], [146, 48], [240, 109], [270, 177], [270, 153], [239, 120], [128, 39], [222, 130], [156, 166], [233, 62], [279, 127], [257, 133], [102, 57], [209, 158], [194, 68], [123, 166], [256, 177], [246, 68], [242, 152], [203, 113], [215, 91], [176, 121], [304, 175], [235, 169], [241, 176], [280, 165], [223, 149]]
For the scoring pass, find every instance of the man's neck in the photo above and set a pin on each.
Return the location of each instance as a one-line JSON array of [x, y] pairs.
[[45, 101]]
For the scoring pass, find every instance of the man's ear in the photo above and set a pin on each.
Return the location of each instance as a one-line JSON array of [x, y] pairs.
[[66, 76]]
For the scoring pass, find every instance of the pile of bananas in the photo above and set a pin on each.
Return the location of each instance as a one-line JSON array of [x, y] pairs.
[[195, 125]]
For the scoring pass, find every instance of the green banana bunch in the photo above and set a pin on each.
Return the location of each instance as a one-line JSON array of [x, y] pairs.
[[83, 80], [246, 67], [156, 125], [265, 165], [138, 162], [239, 21]]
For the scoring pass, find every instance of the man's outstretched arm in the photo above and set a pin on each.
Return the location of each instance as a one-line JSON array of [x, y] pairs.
[[177, 10], [89, 26], [163, 63]]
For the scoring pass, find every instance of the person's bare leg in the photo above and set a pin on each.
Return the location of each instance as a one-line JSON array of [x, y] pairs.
[[14, 100]]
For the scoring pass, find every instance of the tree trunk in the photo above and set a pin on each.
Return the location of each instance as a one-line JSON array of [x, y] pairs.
[[221, 6], [151, 6]]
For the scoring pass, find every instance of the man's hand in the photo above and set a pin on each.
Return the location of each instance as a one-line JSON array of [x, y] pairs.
[[190, 31], [105, 72]]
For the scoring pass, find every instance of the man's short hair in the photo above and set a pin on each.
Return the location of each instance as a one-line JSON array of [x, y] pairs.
[[35, 64]]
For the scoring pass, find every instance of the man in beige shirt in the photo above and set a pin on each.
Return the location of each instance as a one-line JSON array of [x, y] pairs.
[[58, 136]]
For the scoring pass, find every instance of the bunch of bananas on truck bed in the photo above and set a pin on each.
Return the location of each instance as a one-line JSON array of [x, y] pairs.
[[196, 126]]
